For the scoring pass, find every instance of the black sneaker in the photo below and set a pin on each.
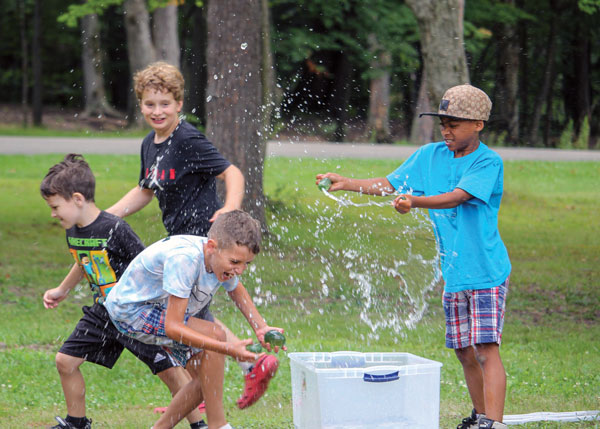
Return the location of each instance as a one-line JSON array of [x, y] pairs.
[[471, 422], [63, 424], [201, 424]]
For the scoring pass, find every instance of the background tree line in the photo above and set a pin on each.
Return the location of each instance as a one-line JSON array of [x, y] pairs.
[[328, 63], [253, 67]]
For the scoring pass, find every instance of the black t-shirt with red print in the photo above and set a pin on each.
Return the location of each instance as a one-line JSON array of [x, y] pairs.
[[181, 172]]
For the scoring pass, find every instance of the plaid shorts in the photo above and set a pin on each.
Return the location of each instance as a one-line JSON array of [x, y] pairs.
[[475, 316]]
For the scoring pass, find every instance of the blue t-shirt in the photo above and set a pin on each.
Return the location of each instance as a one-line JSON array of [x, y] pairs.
[[173, 266], [473, 255]]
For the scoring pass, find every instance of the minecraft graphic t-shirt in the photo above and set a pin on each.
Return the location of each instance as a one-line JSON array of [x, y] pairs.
[[103, 249]]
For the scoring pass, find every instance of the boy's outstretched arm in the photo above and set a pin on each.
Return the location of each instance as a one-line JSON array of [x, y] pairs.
[[234, 190], [243, 301], [403, 203], [132, 201], [53, 296], [199, 335], [374, 186]]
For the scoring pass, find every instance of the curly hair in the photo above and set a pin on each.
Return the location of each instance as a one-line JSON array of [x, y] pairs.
[[159, 76]]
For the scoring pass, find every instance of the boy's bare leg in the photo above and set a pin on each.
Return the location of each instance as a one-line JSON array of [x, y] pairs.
[[473, 377], [187, 398], [176, 378], [72, 382], [207, 373], [494, 380], [211, 372]]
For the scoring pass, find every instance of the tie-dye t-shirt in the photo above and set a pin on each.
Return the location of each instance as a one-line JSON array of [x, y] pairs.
[[172, 266]]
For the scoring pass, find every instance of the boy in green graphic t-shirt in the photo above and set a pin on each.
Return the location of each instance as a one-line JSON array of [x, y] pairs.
[[102, 245]]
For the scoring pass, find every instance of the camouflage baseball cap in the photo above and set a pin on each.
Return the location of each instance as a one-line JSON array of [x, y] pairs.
[[464, 102]]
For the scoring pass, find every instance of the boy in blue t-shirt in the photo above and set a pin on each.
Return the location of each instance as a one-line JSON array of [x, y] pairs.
[[460, 181]]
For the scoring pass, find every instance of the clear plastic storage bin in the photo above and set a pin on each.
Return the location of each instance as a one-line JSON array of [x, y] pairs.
[[365, 390]]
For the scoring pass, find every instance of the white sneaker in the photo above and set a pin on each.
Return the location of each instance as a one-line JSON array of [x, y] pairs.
[[485, 423]]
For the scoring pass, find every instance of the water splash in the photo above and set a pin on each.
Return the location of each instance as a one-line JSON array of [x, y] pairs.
[[347, 202], [392, 292], [358, 258]]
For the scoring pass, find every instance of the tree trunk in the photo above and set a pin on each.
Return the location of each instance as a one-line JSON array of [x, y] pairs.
[[165, 34], [341, 94], [506, 100], [523, 91], [36, 63], [194, 62], [532, 139], [94, 95], [24, 64], [441, 35], [140, 49], [234, 92], [581, 64], [549, 109], [421, 131], [379, 94], [271, 97]]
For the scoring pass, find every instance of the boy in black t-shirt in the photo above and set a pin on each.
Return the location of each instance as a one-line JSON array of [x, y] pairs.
[[102, 245], [180, 166]]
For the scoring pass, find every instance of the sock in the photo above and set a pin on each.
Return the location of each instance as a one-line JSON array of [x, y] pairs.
[[198, 425], [245, 366], [227, 426], [76, 421]]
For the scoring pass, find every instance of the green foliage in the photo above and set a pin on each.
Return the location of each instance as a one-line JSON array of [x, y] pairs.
[[306, 27], [589, 6], [566, 137], [583, 139], [77, 11], [481, 20]]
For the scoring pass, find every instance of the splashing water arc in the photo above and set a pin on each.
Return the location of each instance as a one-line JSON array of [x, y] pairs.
[[379, 276], [392, 287]]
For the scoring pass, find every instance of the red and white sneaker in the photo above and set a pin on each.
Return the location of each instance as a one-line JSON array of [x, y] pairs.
[[257, 380]]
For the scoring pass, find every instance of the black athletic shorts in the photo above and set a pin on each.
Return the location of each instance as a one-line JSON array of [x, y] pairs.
[[97, 340]]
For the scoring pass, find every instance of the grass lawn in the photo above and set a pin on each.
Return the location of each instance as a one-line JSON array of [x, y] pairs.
[[336, 278]]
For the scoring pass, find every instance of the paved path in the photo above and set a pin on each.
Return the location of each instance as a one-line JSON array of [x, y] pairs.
[[124, 146]]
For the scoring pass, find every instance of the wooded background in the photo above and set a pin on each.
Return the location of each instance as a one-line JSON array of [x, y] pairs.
[[336, 61], [256, 67]]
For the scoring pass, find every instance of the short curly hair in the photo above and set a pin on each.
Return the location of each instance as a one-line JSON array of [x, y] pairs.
[[159, 76]]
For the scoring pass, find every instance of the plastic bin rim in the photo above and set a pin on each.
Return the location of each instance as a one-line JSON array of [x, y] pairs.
[[424, 362]]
